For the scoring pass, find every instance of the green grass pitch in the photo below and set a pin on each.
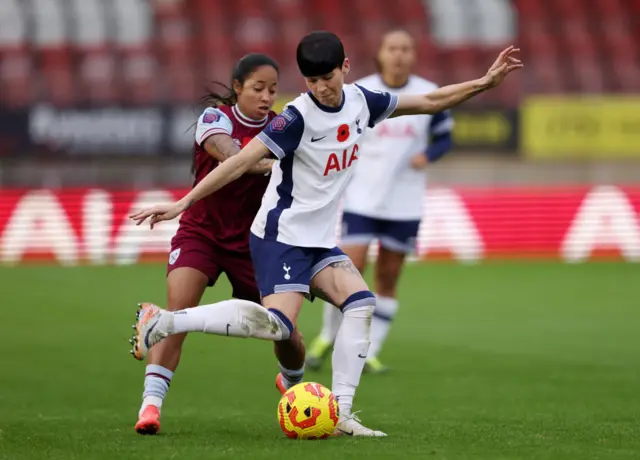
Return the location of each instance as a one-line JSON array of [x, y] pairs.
[[490, 362]]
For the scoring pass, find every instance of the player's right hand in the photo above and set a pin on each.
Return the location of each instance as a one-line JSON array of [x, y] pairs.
[[503, 66], [158, 213]]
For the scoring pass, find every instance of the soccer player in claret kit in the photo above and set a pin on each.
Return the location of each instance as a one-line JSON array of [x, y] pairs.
[[213, 236], [293, 241]]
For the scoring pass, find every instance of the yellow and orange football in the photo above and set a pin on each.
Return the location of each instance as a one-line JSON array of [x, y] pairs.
[[308, 411]]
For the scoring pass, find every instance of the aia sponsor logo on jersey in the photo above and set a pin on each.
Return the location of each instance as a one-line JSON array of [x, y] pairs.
[[340, 162]]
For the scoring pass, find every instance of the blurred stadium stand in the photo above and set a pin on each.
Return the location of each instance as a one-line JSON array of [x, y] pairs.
[[139, 66], [127, 52]]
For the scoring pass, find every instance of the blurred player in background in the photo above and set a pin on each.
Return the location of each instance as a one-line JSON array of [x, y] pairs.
[[293, 242], [383, 201], [213, 236]]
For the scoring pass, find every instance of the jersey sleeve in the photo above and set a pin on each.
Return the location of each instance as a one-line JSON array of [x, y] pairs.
[[282, 136], [381, 105], [441, 123], [212, 121]]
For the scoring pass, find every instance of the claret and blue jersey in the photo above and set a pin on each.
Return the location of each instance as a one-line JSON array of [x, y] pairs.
[[294, 232]]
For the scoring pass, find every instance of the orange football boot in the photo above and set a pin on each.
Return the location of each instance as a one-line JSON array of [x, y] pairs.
[[280, 383], [149, 420]]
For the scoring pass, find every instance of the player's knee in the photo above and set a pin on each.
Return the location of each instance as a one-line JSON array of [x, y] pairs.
[[358, 256], [185, 287], [359, 299], [297, 336], [285, 324]]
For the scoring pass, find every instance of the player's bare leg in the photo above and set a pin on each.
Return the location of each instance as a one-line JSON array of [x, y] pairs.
[[342, 284], [321, 346], [387, 272], [290, 353], [185, 287]]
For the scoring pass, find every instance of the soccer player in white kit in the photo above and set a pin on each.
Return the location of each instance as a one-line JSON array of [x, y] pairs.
[[383, 200], [316, 141]]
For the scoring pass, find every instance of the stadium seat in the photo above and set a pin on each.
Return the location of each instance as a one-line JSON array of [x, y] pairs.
[[449, 25], [175, 36], [464, 62], [53, 52], [578, 40], [139, 65], [411, 10], [494, 22], [530, 10], [546, 75], [96, 62], [537, 40], [417, 22], [569, 9], [588, 76], [213, 45], [624, 61], [367, 11], [16, 77], [606, 9], [328, 16], [293, 23], [252, 27], [16, 65], [142, 52]]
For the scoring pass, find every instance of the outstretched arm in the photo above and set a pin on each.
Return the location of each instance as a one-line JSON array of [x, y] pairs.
[[452, 95], [227, 172], [222, 147]]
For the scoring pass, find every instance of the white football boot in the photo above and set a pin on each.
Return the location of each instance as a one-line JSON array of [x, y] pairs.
[[151, 327], [350, 425]]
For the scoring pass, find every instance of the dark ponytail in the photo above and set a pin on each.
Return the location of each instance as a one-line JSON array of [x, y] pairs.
[[243, 69]]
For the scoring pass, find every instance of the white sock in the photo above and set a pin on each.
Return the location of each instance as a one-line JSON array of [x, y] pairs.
[[383, 315], [349, 353], [156, 384], [235, 318], [331, 319], [291, 377]]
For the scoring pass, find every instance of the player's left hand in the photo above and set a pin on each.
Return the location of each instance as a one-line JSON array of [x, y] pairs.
[[158, 213], [504, 65], [419, 161]]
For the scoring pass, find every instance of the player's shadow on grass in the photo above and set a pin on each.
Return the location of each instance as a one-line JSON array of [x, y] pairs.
[[235, 433]]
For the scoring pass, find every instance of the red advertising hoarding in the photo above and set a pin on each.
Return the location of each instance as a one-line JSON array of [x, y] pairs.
[[574, 224]]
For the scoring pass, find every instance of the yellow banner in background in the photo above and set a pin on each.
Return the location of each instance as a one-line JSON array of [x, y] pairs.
[[597, 127], [283, 100]]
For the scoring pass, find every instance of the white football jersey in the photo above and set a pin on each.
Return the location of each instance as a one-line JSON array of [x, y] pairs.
[[384, 185], [318, 148]]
